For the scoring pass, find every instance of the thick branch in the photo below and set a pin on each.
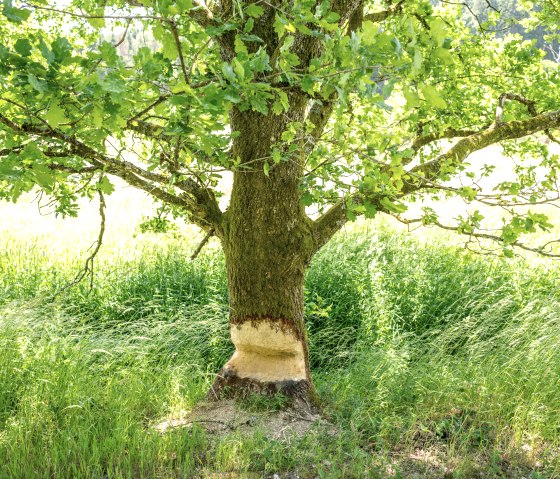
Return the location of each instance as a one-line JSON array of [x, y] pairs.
[[337, 215], [428, 172], [319, 115], [530, 104], [385, 14], [449, 133], [329, 223], [197, 200], [320, 112], [423, 176]]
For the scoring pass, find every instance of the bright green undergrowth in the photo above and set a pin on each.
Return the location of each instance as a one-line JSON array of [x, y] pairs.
[[413, 348]]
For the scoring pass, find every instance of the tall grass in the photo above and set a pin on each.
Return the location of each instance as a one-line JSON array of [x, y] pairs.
[[412, 347]]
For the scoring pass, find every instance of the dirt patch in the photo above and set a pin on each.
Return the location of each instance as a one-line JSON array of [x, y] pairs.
[[438, 461], [421, 463], [226, 416]]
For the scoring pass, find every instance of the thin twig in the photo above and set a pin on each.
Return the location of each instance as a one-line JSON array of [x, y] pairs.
[[472, 234], [202, 244], [94, 17], [88, 269], [175, 33], [155, 103]]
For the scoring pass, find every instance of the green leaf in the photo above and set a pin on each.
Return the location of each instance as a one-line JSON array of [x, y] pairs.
[[240, 47], [279, 25], [258, 103], [398, 47], [238, 68], [105, 186], [307, 199], [332, 17], [468, 193], [61, 49], [411, 97], [417, 61], [31, 152], [97, 22], [282, 103], [4, 53], [444, 55], [228, 72], [112, 83], [508, 252], [288, 135], [283, 99], [13, 14], [438, 30], [44, 177], [108, 53], [55, 115], [169, 47], [184, 5], [369, 32], [8, 171], [277, 108], [307, 84], [370, 210], [266, 168], [254, 10], [432, 96], [233, 97], [39, 85], [394, 207], [350, 212], [290, 60], [46, 52], [249, 24], [97, 117], [250, 38], [23, 47], [276, 155]]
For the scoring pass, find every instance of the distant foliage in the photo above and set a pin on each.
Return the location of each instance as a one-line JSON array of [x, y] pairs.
[[506, 17]]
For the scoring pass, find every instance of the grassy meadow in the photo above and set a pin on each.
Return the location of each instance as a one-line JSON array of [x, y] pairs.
[[431, 362]]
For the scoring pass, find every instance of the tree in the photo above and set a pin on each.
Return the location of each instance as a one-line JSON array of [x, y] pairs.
[[351, 107], [511, 19]]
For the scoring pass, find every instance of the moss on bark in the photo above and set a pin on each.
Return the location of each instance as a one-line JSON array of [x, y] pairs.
[[268, 241]]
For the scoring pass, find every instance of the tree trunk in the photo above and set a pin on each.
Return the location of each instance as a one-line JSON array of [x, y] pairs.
[[268, 243]]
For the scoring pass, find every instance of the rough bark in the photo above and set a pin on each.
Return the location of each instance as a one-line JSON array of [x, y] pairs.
[[268, 242]]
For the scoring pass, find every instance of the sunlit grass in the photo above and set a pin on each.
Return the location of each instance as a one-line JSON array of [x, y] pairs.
[[417, 351]]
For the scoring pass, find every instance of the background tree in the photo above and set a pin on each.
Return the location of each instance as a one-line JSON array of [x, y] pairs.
[[505, 17], [347, 107]]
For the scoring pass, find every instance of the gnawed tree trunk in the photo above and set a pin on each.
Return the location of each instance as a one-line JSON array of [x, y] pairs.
[[268, 242]]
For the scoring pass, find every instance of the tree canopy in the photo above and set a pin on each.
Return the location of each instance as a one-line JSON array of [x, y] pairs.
[[396, 96]]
